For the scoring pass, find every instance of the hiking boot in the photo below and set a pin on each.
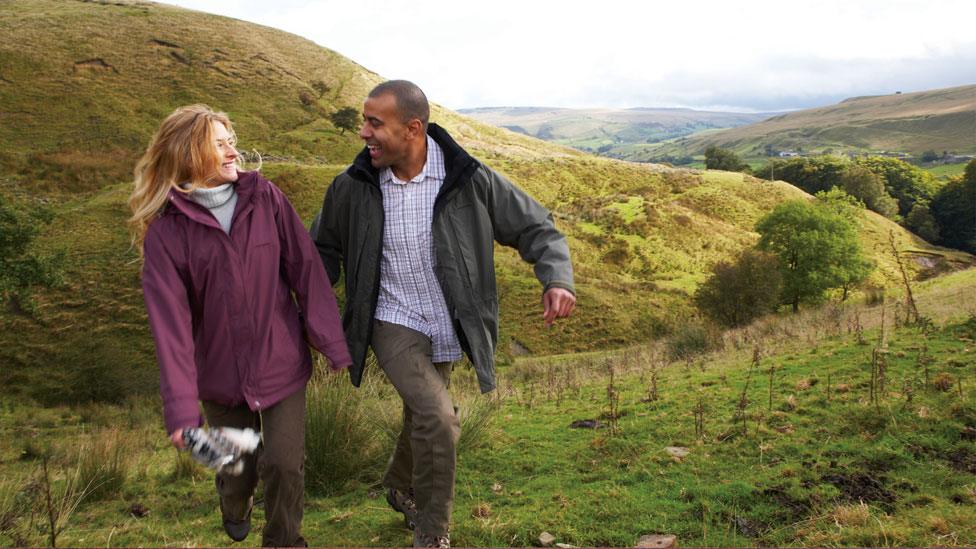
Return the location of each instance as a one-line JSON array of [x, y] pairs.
[[403, 503], [421, 539], [238, 529]]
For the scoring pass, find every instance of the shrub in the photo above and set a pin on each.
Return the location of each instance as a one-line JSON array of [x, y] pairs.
[[692, 338], [739, 292], [944, 382], [717, 158]]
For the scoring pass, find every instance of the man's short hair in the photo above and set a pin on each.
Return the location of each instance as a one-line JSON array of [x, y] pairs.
[[410, 100]]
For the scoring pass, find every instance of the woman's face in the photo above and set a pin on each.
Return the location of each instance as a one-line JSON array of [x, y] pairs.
[[227, 153]]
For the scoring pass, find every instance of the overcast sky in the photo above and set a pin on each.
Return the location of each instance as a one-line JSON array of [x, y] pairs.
[[732, 55]]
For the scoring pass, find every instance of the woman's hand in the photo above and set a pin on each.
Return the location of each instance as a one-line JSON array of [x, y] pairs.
[[176, 437]]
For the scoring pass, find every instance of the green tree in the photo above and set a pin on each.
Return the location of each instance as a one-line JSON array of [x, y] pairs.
[[346, 118], [717, 158], [869, 188], [321, 87], [921, 222], [906, 183], [812, 174], [739, 292], [22, 271], [842, 203], [817, 249], [954, 209]]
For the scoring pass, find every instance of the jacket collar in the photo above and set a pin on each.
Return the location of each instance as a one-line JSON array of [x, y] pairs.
[[245, 185], [456, 159]]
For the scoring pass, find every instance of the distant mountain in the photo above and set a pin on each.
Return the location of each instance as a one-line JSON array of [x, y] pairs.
[[618, 133], [937, 120]]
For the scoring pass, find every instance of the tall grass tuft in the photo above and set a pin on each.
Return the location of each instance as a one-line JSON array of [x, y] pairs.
[[348, 431], [476, 413], [61, 498], [185, 467], [104, 464]]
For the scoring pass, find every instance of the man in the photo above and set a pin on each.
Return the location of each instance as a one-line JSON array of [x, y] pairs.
[[413, 223]]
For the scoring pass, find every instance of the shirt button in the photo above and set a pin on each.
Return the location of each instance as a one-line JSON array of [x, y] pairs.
[[257, 403]]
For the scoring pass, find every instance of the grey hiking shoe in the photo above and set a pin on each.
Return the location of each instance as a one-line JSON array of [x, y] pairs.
[[403, 503], [238, 530], [421, 539]]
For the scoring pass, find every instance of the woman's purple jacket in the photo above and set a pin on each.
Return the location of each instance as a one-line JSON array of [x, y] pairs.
[[220, 306]]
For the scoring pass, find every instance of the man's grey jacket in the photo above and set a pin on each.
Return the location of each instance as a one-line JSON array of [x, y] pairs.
[[474, 208]]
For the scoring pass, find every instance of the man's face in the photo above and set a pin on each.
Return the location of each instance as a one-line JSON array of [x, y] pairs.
[[385, 134]]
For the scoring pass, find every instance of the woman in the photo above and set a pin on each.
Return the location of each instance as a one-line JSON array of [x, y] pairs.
[[224, 252]]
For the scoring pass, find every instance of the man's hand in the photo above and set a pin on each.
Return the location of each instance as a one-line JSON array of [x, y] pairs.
[[557, 303]]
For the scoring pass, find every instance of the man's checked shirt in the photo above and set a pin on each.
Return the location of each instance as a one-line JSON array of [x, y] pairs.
[[409, 292]]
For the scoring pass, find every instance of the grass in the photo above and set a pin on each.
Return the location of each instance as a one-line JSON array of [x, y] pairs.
[[808, 459], [946, 171]]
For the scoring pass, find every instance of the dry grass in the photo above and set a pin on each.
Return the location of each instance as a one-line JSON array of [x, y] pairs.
[[846, 516]]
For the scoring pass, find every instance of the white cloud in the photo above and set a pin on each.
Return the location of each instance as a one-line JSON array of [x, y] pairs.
[[619, 53]]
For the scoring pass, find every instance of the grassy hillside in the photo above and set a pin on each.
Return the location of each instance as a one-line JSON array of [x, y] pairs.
[[939, 120], [616, 133], [642, 236]]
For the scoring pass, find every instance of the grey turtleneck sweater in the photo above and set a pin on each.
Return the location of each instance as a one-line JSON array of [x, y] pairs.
[[220, 200]]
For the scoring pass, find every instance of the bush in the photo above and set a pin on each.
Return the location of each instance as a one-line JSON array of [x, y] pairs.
[[717, 158], [691, 339], [738, 293], [22, 271]]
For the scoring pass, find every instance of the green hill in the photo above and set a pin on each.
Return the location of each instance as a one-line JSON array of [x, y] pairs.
[[937, 120], [616, 133], [78, 106]]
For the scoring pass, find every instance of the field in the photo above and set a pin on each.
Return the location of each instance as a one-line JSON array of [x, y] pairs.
[[789, 434]]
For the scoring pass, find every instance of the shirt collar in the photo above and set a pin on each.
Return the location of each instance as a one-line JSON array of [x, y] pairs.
[[433, 167]]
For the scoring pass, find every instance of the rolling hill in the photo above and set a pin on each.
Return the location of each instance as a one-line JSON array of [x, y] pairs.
[[78, 105], [938, 120], [617, 133]]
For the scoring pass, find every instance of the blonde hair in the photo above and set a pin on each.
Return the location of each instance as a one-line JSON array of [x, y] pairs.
[[181, 152]]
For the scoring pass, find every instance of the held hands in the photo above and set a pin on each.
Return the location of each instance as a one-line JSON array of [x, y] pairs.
[[557, 303]]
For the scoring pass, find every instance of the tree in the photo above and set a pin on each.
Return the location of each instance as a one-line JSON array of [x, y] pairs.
[[321, 87], [738, 293], [906, 183], [921, 222], [717, 158], [812, 174], [346, 118], [954, 210], [817, 249], [868, 187], [22, 270]]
